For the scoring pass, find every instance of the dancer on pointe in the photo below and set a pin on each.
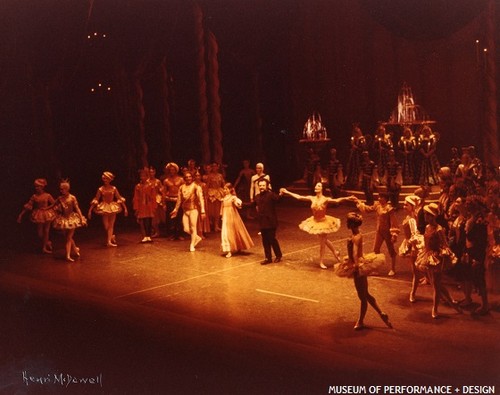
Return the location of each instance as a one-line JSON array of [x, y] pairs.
[[107, 203], [41, 213], [69, 217], [320, 224], [191, 200]]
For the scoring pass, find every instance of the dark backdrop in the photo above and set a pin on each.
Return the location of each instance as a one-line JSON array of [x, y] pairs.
[[278, 62]]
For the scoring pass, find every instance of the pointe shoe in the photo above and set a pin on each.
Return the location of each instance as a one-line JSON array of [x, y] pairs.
[[69, 259], [229, 255], [77, 252], [323, 266], [412, 298], [359, 326], [391, 273], [111, 244], [144, 240], [385, 318], [434, 314], [191, 248], [45, 250], [197, 240]]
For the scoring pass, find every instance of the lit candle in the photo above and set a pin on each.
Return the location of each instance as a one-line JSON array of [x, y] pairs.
[[485, 57], [477, 52]]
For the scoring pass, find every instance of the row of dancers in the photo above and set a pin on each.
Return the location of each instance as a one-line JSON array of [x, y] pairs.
[[429, 252]]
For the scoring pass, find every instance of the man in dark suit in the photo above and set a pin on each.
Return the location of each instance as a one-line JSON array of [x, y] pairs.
[[268, 221]]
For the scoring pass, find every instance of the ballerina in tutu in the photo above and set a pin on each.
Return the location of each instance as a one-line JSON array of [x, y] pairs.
[[361, 266], [431, 258], [42, 214], [107, 203], [234, 234], [319, 223], [413, 241], [69, 217]]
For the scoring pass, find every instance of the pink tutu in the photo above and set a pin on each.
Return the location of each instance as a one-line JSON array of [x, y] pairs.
[[72, 221], [42, 215], [108, 208], [326, 225]]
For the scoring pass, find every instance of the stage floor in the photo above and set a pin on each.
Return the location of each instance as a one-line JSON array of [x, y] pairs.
[[156, 318]]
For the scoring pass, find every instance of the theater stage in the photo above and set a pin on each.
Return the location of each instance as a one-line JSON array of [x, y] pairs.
[[155, 318]]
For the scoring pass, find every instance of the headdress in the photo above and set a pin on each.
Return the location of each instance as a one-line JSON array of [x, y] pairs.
[[432, 209], [413, 200], [172, 164], [107, 174], [40, 182], [64, 183]]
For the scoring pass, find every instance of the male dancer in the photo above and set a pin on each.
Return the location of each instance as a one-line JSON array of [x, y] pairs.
[[191, 198], [171, 185], [265, 202]]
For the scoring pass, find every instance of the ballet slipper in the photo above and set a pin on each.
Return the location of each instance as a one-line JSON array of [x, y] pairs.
[[359, 326], [385, 318], [197, 240]]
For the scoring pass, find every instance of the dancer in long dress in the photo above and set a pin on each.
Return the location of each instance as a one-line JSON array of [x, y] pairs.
[[41, 213], [69, 217], [234, 234], [107, 203], [355, 254], [319, 223], [358, 145], [429, 163]]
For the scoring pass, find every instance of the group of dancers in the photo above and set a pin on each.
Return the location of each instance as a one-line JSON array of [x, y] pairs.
[[454, 235]]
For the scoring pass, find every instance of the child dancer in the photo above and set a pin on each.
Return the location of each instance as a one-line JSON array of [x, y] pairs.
[[431, 259], [234, 234], [41, 213], [145, 205], [361, 269], [387, 227], [69, 217], [107, 203], [413, 241]]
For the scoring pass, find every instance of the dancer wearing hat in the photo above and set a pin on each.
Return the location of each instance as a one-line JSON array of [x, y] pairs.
[[69, 217], [431, 258], [107, 203], [413, 241], [41, 213]]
